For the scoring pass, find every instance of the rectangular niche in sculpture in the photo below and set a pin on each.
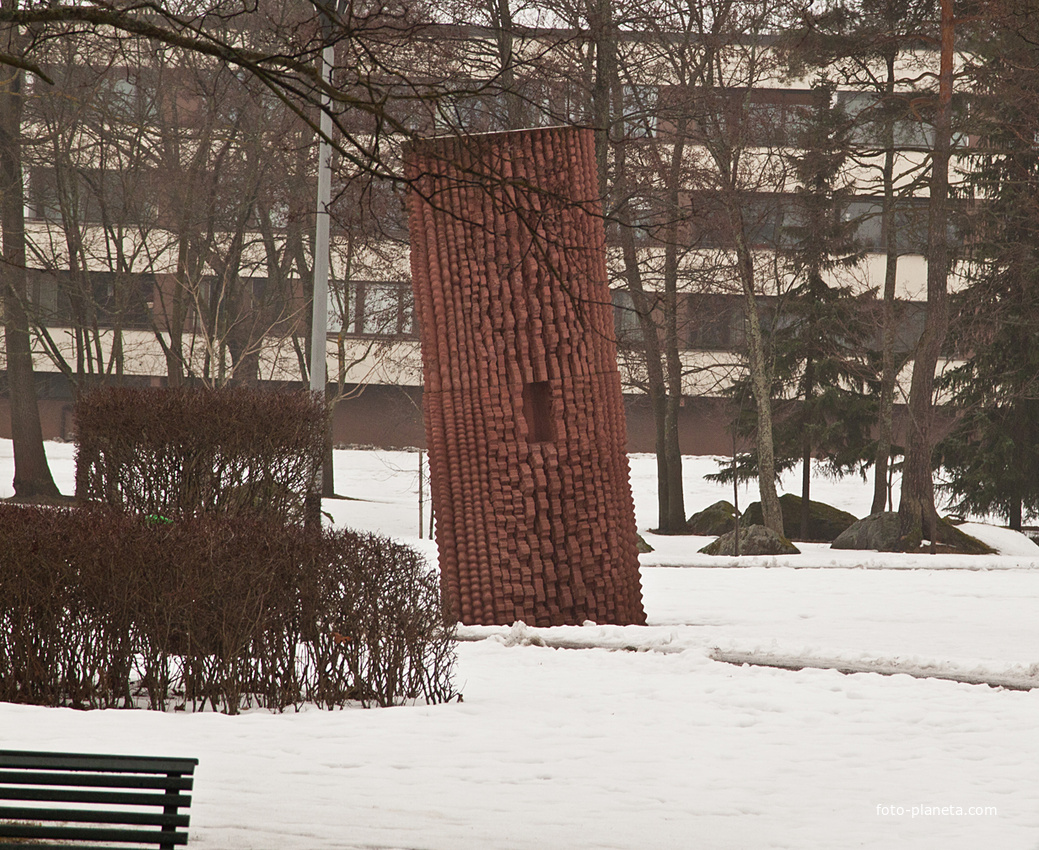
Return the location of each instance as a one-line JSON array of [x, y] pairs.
[[523, 409]]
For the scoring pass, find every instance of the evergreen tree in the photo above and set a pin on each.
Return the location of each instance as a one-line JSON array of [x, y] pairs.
[[820, 346], [818, 336], [991, 457], [860, 42]]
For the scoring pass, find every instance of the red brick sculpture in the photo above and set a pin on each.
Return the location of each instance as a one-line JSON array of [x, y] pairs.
[[523, 409]]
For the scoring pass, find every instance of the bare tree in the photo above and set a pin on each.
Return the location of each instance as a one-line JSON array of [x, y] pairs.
[[32, 477], [665, 86], [94, 207], [917, 512], [717, 156], [277, 46]]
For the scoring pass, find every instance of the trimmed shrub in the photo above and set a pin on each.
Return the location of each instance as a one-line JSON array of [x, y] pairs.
[[383, 605], [190, 580], [65, 625], [100, 609], [183, 452]]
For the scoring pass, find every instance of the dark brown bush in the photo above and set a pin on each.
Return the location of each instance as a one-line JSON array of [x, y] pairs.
[[99, 608], [187, 451], [188, 580], [383, 606], [64, 610]]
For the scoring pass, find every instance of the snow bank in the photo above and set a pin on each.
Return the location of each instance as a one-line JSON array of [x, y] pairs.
[[633, 738]]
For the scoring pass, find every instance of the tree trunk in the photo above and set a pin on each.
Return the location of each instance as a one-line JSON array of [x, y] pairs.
[[118, 355], [328, 483], [501, 21], [174, 350], [32, 475], [806, 448], [656, 385], [917, 512], [674, 521], [660, 383], [603, 34], [761, 383], [888, 375], [1014, 515]]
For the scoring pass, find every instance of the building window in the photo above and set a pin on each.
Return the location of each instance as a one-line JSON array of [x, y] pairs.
[[714, 322], [625, 319], [910, 224], [112, 299], [470, 112], [372, 309], [869, 113], [88, 196], [640, 111], [766, 219], [124, 98], [776, 117]]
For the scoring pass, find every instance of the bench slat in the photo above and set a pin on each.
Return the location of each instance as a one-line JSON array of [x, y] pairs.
[[33, 845], [123, 836], [99, 783], [33, 813], [92, 761], [95, 780], [58, 795]]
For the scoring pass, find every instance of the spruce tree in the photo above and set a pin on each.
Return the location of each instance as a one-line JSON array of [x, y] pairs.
[[860, 43], [818, 337], [820, 347], [991, 457]]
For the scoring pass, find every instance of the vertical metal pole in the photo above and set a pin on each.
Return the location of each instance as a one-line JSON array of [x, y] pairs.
[[421, 485], [735, 497], [319, 314], [319, 329]]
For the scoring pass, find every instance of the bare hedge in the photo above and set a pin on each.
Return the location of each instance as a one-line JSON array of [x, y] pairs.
[[100, 609], [182, 452]]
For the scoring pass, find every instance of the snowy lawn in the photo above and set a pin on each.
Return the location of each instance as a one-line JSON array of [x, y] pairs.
[[605, 747]]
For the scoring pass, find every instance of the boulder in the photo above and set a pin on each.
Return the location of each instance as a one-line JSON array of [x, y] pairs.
[[641, 544], [877, 531], [881, 532], [754, 540], [825, 522], [961, 542], [714, 520]]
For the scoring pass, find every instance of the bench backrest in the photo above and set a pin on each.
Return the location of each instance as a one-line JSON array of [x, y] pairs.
[[80, 799]]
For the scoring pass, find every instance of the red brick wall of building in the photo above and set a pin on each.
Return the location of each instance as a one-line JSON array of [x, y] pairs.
[[523, 409]]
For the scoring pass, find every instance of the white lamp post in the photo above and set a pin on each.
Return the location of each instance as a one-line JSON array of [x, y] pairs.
[[319, 310], [319, 325]]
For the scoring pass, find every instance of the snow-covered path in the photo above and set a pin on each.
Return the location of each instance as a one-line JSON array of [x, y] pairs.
[[659, 748]]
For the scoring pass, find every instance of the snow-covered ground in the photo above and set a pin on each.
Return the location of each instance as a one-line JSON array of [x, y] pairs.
[[608, 737]]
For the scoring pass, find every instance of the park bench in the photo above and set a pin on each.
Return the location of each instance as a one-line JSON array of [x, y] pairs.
[[130, 802]]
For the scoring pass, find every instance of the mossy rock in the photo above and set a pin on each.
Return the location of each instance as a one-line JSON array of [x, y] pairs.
[[754, 540], [825, 522], [642, 545], [714, 520], [879, 532], [959, 541], [882, 533]]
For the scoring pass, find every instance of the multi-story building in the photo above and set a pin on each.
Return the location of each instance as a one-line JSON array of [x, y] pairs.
[[169, 212]]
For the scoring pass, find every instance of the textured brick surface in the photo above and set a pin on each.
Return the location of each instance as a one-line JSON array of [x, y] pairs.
[[523, 410]]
